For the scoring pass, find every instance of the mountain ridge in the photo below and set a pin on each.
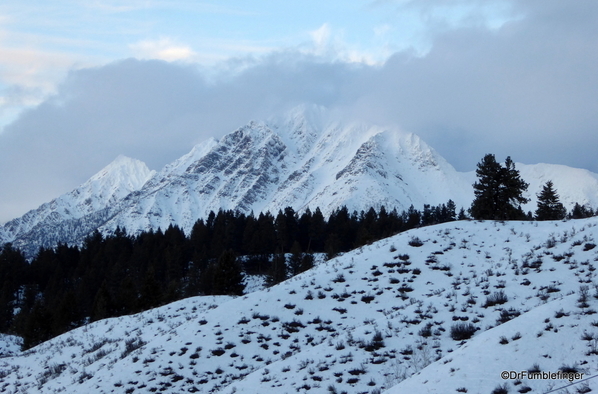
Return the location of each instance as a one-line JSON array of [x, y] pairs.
[[304, 159], [107, 187]]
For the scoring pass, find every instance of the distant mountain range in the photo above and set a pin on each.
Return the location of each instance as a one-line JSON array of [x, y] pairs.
[[303, 159]]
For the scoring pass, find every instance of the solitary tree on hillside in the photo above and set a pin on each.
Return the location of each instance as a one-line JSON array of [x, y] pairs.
[[549, 206], [498, 191]]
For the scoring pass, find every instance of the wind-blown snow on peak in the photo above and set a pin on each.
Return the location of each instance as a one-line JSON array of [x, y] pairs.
[[304, 159], [301, 126]]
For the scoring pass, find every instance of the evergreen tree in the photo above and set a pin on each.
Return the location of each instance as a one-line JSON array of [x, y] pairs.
[[278, 270], [428, 217], [7, 306], [296, 258], [228, 276], [38, 326], [103, 306], [150, 292], [462, 214], [451, 211], [549, 205], [498, 191], [581, 211], [316, 232], [66, 316], [412, 217], [307, 262], [332, 246]]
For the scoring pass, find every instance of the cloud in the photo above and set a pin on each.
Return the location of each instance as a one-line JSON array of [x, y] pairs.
[[331, 45], [526, 89], [321, 37], [162, 49], [32, 69]]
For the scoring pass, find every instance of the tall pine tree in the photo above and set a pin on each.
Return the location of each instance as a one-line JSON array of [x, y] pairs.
[[498, 191], [549, 205]]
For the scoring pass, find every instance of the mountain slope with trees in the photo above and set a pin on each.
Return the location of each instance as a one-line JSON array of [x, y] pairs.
[[68, 286]]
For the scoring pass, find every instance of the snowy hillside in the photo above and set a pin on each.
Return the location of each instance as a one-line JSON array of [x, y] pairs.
[[393, 316], [575, 185]]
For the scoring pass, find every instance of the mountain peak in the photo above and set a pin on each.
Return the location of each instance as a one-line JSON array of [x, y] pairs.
[[103, 190], [123, 167]]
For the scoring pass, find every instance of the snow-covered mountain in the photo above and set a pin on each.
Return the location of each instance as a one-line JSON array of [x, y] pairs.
[[302, 159], [441, 309], [71, 214], [574, 185]]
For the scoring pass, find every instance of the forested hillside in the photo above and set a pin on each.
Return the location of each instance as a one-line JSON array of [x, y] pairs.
[[68, 286]]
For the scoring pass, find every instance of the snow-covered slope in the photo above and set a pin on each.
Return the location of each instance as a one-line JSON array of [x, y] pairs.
[[48, 224], [574, 185], [375, 319]]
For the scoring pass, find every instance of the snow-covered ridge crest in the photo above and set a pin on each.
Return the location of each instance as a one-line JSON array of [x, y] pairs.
[[108, 186], [122, 176]]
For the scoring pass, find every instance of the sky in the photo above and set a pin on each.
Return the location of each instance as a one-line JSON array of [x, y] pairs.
[[82, 82]]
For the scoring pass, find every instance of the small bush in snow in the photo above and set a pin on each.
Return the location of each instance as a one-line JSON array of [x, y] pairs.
[[462, 331], [569, 369], [415, 242], [506, 315], [497, 298], [583, 297], [501, 389], [426, 331]]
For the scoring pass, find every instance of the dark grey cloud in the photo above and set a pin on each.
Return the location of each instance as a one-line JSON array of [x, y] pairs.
[[527, 90]]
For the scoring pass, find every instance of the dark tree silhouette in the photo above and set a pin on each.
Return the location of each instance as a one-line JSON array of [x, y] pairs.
[[498, 191], [228, 275], [549, 205]]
